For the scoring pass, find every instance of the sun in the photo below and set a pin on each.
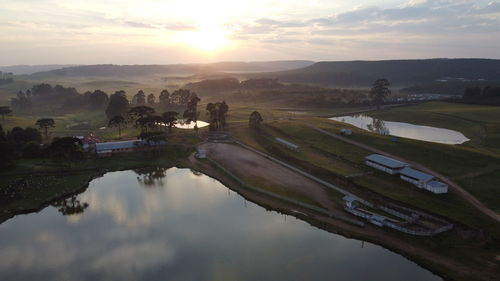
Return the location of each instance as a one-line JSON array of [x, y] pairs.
[[206, 38]]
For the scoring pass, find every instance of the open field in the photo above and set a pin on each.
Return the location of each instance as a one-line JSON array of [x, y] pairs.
[[335, 158]]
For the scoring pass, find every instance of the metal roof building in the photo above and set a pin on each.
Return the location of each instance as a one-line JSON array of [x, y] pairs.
[[416, 175], [384, 163], [116, 145], [423, 180]]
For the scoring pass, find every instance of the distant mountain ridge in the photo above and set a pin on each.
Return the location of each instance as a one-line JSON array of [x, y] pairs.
[[399, 72], [30, 69], [174, 69]]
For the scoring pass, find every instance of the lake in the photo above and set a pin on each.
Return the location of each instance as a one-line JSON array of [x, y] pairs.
[[405, 130], [175, 224]]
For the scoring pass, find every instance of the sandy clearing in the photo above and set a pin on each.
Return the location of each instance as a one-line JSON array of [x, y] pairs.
[[247, 164]]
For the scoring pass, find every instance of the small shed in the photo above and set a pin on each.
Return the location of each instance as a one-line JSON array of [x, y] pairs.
[[345, 132]]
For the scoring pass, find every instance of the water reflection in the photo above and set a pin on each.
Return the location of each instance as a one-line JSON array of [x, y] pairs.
[[151, 176], [70, 206], [406, 130], [193, 229]]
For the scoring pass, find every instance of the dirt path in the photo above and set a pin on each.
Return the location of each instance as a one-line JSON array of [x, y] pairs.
[[247, 164], [462, 192]]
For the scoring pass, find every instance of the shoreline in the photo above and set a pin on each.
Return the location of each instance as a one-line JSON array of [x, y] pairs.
[[389, 240]]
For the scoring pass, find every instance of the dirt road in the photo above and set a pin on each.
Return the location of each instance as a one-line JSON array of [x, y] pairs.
[[247, 164], [462, 192]]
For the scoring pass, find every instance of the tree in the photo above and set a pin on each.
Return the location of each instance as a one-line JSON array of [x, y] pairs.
[[140, 111], [164, 97], [191, 113], [117, 121], [118, 105], [151, 99], [181, 96], [45, 124], [148, 122], [218, 113], [31, 150], [170, 118], [19, 136], [5, 110], [97, 100], [139, 98], [255, 120], [7, 154], [70, 206], [380, 91], [68, 148], [2, 134], [223, 109]]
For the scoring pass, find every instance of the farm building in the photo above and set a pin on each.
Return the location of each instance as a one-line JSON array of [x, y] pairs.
[[109, 148], [288, 144], [386, 164], [423, 180]]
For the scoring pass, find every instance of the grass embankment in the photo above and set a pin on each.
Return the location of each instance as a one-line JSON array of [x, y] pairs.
[[35, 183], [330, 159]]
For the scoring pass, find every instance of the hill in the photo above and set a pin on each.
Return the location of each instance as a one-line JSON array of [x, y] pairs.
[[401, 73], [30, 69], [172, 69]]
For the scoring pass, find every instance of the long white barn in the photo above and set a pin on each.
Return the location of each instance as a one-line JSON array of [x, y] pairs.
[[406, 173]]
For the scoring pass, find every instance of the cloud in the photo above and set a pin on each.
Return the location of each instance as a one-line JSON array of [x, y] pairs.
[[304, 28]]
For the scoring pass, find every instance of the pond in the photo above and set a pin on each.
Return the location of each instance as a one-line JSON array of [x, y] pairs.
[[175, 224], [405, 130], [184, 125]]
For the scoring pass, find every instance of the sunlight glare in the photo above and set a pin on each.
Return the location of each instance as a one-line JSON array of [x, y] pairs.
[[206, 38]]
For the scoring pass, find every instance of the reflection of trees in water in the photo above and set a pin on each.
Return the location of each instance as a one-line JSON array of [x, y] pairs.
[[378, 126], [151, 176], [71, 206]]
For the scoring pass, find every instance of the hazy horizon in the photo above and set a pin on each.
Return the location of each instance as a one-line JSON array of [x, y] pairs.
[[39, 32]]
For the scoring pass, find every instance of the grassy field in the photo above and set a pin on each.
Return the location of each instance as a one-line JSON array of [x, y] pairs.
[[475, 167]]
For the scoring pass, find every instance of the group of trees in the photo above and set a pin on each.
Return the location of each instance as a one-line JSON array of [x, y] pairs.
[[217, 113], [6, 77], [27, 143], [119, 104], [145, 118], [45, 97], [178, 97], [486, 95]]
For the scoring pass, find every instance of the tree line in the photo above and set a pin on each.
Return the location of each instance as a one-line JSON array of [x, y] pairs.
[[58, 98], [486, 95], [6, 77]]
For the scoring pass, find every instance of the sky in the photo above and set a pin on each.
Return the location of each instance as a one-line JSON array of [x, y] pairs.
[[167, 31]]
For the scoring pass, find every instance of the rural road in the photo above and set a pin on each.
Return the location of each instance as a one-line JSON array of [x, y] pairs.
[[462, 192]]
